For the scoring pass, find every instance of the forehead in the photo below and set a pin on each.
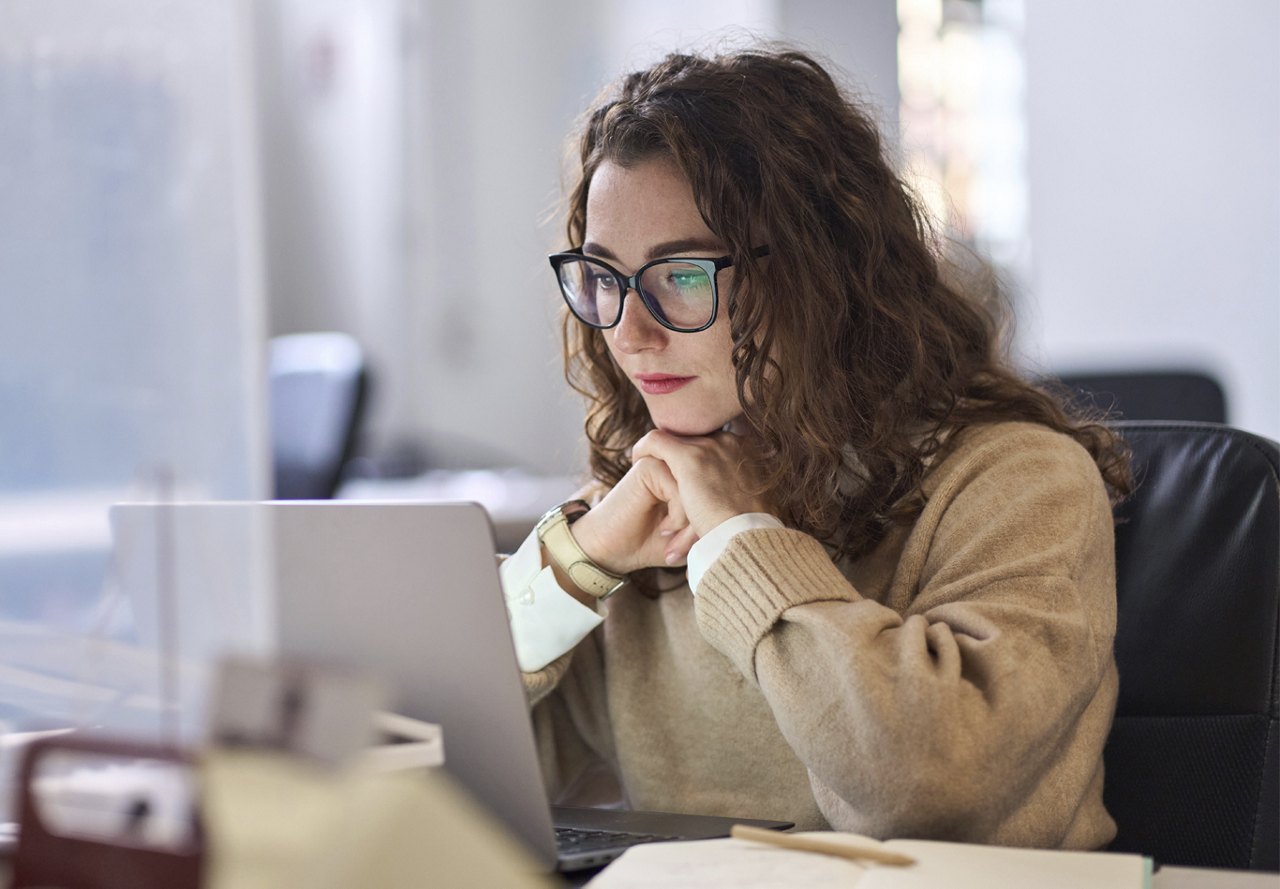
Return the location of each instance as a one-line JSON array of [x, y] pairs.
[[632, 208]]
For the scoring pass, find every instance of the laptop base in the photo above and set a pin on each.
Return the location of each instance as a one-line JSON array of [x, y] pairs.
[[632, 828]]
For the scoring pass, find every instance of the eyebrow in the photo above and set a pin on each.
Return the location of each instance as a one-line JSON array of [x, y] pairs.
[[666, 248]]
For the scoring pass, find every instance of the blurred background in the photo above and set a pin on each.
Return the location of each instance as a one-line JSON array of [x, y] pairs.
[[189, 191]]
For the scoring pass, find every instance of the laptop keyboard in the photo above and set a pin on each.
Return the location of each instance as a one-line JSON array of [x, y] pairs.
[[572, 839]]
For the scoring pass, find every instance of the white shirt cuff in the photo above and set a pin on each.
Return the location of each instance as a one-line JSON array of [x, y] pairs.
[[708, 548], [546, 621]]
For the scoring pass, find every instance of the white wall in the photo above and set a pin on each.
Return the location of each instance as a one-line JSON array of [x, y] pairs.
[[334, 76], [861, 38], [503, 83], [1155, 191]]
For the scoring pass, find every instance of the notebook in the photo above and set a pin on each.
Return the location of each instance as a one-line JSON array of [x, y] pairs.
[[408, 590], [749, 865]]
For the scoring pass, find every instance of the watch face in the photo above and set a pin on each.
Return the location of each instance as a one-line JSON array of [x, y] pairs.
[[569, 512]]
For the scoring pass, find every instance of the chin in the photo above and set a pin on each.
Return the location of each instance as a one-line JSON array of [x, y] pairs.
[[690, 426]]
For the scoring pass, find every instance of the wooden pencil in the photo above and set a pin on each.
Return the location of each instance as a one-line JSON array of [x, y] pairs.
[[843, 848]]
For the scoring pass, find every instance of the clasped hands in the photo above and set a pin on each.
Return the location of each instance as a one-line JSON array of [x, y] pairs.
[[678, 489]]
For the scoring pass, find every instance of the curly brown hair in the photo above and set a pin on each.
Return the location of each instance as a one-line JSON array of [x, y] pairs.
[[851, 337]]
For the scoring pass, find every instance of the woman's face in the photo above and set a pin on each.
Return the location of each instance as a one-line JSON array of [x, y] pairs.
[[637, 214]]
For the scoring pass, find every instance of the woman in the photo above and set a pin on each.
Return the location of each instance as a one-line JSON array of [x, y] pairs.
[[899, 604]]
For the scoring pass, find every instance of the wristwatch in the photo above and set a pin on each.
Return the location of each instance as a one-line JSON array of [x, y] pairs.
[[553, 532]]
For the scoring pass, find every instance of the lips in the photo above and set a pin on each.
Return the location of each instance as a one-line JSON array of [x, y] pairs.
[[661, 384]]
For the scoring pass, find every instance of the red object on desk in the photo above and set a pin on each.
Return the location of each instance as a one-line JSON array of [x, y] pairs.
[[44, 858]]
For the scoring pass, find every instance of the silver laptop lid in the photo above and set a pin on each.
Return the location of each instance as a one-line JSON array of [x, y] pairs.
[[409, 591]]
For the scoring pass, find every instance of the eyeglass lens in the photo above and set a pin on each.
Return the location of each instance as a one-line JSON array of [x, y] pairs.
[[679, 294]]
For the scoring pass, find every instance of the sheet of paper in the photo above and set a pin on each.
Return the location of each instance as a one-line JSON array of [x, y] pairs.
[[719, 863], [963, 866], [748, 865]]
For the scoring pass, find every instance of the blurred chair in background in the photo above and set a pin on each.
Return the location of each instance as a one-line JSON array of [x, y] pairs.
[[1191, 762], [1151, 395], [317, 389]]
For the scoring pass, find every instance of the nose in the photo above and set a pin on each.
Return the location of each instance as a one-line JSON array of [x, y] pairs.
[[638, 331]]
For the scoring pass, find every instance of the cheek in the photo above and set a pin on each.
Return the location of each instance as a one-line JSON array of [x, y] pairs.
[[720, 362], [607, 337], [721, 348]]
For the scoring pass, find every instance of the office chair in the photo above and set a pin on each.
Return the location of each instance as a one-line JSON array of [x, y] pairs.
[[317, 385], [1150, 395], [1191, 762]]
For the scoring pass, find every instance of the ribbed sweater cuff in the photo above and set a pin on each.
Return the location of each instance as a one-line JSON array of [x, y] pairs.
[[760, 575], [542, 683]]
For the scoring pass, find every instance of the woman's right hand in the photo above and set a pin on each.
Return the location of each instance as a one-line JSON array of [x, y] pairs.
[[638, 522]]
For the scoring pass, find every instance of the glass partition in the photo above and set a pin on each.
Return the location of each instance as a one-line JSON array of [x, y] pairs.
[[130, 350]]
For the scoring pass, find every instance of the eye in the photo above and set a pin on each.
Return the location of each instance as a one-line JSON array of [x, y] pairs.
[[599, 279], [689, 279], [684, 281]]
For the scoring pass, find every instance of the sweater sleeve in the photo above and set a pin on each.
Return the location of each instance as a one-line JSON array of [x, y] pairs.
[[943, 715], [571, 726]]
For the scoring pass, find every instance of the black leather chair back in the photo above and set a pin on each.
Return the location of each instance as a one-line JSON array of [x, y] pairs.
[[1150, 394], [1192, 759]]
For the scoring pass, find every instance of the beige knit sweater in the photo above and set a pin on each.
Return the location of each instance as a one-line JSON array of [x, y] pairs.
[[957, 683]]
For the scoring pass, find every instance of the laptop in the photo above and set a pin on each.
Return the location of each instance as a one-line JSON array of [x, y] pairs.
[[409, 591]]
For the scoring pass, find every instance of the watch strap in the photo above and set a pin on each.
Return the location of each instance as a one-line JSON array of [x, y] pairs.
[[555, 536]]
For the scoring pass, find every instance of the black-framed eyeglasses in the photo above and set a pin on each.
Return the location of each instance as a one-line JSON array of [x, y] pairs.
[[679, 292]]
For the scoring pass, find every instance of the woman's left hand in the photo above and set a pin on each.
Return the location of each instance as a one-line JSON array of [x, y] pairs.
[[712, 474]]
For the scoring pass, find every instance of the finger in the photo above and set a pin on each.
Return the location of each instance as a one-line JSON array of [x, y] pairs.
[[657, 444], [677, 549], [674, 521], [657, 477]]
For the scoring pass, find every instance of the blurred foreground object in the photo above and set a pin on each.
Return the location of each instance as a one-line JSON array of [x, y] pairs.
[[275, 821], [290, 794], [72, 841]]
